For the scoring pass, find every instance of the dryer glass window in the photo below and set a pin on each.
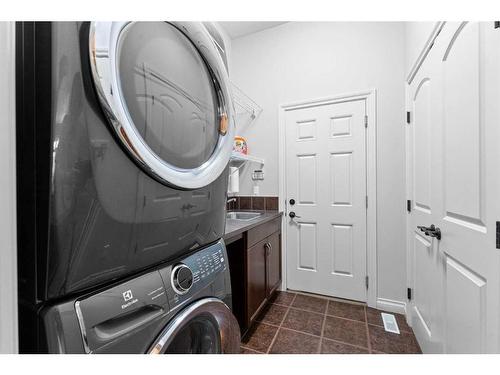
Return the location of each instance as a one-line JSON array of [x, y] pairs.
[[169, 93], [199, 336]]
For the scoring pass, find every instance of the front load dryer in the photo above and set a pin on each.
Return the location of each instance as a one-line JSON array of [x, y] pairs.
[[124, 133]]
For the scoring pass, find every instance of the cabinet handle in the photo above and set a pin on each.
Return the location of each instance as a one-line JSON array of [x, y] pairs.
[[268, 248]]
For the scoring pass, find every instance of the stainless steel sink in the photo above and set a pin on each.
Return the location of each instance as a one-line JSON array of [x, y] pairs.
[[243, 216]]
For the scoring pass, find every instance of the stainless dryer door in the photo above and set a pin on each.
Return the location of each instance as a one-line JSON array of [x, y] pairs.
[[165, 91], [204, 327]]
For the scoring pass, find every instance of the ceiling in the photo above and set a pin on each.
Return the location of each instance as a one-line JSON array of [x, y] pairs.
[[242, 28]]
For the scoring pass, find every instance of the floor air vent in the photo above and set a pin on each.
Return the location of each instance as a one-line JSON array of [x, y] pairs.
[[390, 323]]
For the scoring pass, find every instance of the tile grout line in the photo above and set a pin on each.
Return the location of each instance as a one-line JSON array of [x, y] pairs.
[[336, 340], [314, 312], [381, 326], [313, 335], [253, 350], [279, 327], [368, 333], [323, 337], [346, 343], [329, 298], [281, 323], [322, 328], [291, 307]]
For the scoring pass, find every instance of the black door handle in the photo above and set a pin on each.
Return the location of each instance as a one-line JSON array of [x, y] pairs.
[[431, 231], [292, 215]]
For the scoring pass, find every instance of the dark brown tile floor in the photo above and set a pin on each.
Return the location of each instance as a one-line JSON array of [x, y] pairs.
[[304, 324]]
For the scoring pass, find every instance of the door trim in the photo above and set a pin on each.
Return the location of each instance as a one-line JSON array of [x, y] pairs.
[[425, 50], [370, 97], [8, 229]]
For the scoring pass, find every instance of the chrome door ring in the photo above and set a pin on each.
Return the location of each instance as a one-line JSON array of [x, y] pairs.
[[229, 330], [104, 39]]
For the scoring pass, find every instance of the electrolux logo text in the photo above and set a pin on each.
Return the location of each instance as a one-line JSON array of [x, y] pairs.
[[129, 298]]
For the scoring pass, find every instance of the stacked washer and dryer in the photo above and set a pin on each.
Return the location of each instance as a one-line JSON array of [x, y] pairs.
[[124, 133]]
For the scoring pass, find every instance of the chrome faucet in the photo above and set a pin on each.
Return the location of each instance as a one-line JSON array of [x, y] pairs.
[[230, 200]]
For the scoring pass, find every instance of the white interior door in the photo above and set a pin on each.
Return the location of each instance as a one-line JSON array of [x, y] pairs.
[[326, 177], [454, 182], [425, 258]]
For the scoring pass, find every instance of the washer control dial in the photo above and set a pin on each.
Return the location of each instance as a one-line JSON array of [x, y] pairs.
[[182, 278]]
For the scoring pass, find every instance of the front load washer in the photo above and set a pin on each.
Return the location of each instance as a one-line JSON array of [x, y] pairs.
[[124, 132], [181, 308]]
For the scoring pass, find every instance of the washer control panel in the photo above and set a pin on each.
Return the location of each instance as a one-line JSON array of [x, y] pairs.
[[194, 273], [208, 263]]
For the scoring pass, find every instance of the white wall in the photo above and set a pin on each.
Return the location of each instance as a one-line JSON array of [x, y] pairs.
[[8, 238], [297, 61]]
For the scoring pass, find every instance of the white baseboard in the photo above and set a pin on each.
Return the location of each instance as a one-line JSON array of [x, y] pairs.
[[390, 305]]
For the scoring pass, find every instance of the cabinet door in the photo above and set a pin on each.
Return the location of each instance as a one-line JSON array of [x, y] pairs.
[[256, 279], [273, 262]]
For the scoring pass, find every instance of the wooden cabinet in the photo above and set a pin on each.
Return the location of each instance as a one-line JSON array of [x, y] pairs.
[[273, 263], [255, 265], [256, 290]]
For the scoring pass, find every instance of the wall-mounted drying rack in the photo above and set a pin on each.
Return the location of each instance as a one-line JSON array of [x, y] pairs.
[[246, 109]]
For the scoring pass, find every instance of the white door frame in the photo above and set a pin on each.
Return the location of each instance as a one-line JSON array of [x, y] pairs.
[[370, 97], [8, 231]]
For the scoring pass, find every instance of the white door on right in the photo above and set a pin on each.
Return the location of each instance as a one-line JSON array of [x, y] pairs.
[[454, 182]]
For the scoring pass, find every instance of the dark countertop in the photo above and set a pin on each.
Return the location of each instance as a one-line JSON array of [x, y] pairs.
[[237, 227]]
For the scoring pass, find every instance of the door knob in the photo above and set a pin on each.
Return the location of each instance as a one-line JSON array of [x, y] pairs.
[[292, 215], [431, 231], [292, 201]]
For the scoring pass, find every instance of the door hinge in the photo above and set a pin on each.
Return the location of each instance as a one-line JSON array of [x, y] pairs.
[[498, 234], [367, 201], [497, 25], [366, 121], [367, 281], [408, 293], [408, 205], [408, 117]]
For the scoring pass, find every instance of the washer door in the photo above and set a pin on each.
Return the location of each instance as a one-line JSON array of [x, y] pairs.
[[205, 327], [164, 88]]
